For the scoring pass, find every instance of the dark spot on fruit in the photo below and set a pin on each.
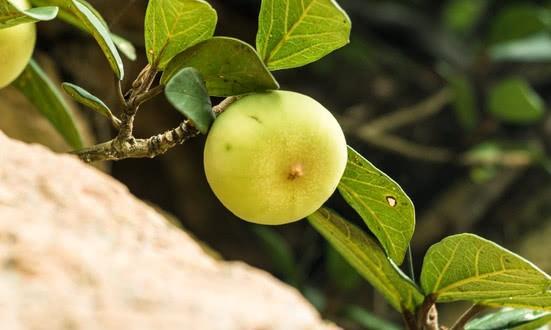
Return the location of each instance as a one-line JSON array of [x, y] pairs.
[[228, 147], [255, 118]]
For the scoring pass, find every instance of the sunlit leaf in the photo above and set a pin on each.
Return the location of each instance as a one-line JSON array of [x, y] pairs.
[[67, 15], [102, 35], [229, 67], [381, 202], [467, 267], [294, 33], [368, 258], [172, 26], [11, 15]]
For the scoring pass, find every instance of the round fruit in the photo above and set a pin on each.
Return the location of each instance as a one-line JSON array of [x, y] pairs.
[[16, 47], [275, 157]]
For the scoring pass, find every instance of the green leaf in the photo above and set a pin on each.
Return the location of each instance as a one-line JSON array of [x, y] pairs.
[[11, 15], [172, 26], [535, 48], [382, 204], [84, 97], [468, 267], [96, 27], [294, 33], [38, 89], [517, 21], [279, 252], [368, 258], [188, 94], [67, 15], [81, 14], [513, 319], [229, 67], [514, 101]]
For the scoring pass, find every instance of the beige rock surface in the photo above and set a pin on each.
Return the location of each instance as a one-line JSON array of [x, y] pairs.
[[78, 251]]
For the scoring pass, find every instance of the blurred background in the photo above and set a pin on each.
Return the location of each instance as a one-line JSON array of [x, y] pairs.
[[447, 97]]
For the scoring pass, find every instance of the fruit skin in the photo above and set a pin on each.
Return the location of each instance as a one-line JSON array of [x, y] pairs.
[[275, 157], [16, 47]]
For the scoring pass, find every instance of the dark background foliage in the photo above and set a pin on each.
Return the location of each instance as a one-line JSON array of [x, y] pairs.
[[423, 56]]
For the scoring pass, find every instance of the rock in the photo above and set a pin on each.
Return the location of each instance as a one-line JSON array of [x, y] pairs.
[[78, 251]]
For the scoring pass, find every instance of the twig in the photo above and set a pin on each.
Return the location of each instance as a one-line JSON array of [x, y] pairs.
[[153, 92], [120, 95], [140, 86], [218, 109], [465, 317], [409, 320]]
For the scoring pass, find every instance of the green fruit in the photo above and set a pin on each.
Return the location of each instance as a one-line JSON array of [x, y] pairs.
[[16, 47], [275, 157]]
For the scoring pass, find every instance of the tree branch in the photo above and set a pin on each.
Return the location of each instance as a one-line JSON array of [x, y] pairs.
[[427, 315], [117, 149]]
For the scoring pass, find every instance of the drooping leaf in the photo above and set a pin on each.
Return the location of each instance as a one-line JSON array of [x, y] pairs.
[[229, 67], [188, 94], [468, 267], [11, 15], [514, 101], [172, 26], [368, 258], [535, 48], [42, 93], [85, 98], [294, 33], [67, 15], [382, 204], [102, 35], [510, 319]]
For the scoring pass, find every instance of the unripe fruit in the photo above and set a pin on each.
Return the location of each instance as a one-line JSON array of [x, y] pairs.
[[275, 157], [16, 47]]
